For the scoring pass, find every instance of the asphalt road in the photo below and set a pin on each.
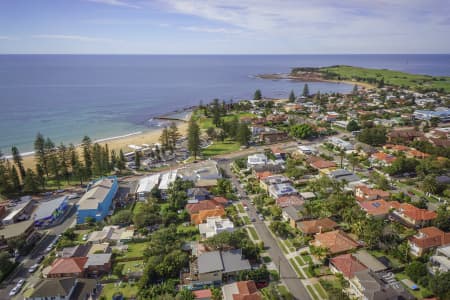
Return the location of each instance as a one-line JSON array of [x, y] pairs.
[[21, 272], [287, 274]]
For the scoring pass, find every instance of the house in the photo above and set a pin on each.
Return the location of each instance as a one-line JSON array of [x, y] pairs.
[[308, 196], [205, 294], [98, 263], [368, 285], [211, 267], [203, 174], [166, 179], [273, 137], [241, 290], [368, 260], [335, 241], [379, 209], [412, 216], [440, 262], [76, 251], [365, 149], [319, 163], [403, 136], [146, 185], [290, 200], [63, 289], [442, 114], [99, 248], [67, 267], [382, 159], [271, 180], [316, 226], [365, 193], [215, 225], [257, 159], [193, 208], [276, 119], [282, 189], [23, 230], [427, 239], [262, 175], [49, 211], [197, 194], [341, 144], [290, 214], [203, 215], [96, 202], [413, 153], [346, 264], [306, 150], [344, 175]]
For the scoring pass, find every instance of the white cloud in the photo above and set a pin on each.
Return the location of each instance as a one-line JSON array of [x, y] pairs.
[[210, 29], [79, 38], [115, 3], [7, 38]]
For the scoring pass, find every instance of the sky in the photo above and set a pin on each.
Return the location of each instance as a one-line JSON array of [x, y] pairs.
[[224, 26]]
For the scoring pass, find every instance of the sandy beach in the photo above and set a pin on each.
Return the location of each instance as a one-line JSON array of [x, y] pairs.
[[121, 143]]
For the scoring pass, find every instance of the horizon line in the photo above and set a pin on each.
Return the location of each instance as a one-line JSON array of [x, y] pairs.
[[223, 54]]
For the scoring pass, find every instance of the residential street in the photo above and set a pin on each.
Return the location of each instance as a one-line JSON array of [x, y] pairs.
[[21, 272], [287, 275]]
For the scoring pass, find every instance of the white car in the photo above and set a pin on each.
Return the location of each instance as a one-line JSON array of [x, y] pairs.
[[14, 291], [85, 237], [33, 268], [20, 283]]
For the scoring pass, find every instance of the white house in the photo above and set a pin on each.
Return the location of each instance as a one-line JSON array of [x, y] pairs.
[[215, 225], [257, 159]]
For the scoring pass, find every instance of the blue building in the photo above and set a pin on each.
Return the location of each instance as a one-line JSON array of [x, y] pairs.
[[97, 200], [49, 211]]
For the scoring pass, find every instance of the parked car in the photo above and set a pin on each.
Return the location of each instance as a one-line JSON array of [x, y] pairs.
[[40, 259], [85, 237], [261, 217], [33, 268], [14, 291]]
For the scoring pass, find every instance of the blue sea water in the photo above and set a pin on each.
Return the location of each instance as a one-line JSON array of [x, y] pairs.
[[68, 96]]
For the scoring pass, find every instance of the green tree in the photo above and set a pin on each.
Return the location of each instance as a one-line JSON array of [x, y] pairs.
[[185, 294], [194, 138], [429, 184], [257, 95], [40, 176], [292, 96], [302, 131], [216, 112], [17, 159], [122, 217], [442, 220], [174, 134], [416, 270], [164, 138], [353, 126], [244, 134], [121, 162], [15, 180], [137, 159], [39, 150], [305, 90], [440, 285], [30, 183], [87, 155], [355, 89]]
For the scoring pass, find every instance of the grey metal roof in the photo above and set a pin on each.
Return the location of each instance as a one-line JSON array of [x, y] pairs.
[[233, 261], [98, 259], [96, 194], [369, 261], [47, 208], [292, 212], [210, 262], [53, 287]]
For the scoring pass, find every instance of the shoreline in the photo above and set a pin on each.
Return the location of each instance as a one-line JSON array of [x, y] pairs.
[[122, 142], [284, 76]]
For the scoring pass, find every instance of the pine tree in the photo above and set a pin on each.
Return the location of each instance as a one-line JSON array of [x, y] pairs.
[[216, 112], [355, 89], [17, 158], [54, 169], [87, 156], [174, 134], [257, 95], [106, 160], [15, 180], [292, 96], [40, 176], [4, 180], [114, 159], [194, 138], [30, 184], [63, 161], [121, 162], [39, 151], [305, 90], [137, 159], [164, 138], [244, 134]]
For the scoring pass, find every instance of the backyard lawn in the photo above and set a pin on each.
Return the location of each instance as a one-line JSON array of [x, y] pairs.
[[135, 250], [128, 290], [132, 266]]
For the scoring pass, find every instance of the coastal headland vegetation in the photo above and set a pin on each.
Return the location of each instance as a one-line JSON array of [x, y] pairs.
[[373, 77]]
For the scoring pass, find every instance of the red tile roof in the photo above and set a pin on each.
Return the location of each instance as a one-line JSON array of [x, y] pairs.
[[378, 207], [247, 291], [202, 205], [417, 214], [315, 226], [430, 237], [347, 265], [68, 265], [369, 192], [202, 215], [202, 294], [320, 163], [263, 174], [336, 241], [381, 156], [293, 200]]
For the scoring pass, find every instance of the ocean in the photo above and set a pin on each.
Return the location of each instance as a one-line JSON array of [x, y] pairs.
[[68, 96]]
